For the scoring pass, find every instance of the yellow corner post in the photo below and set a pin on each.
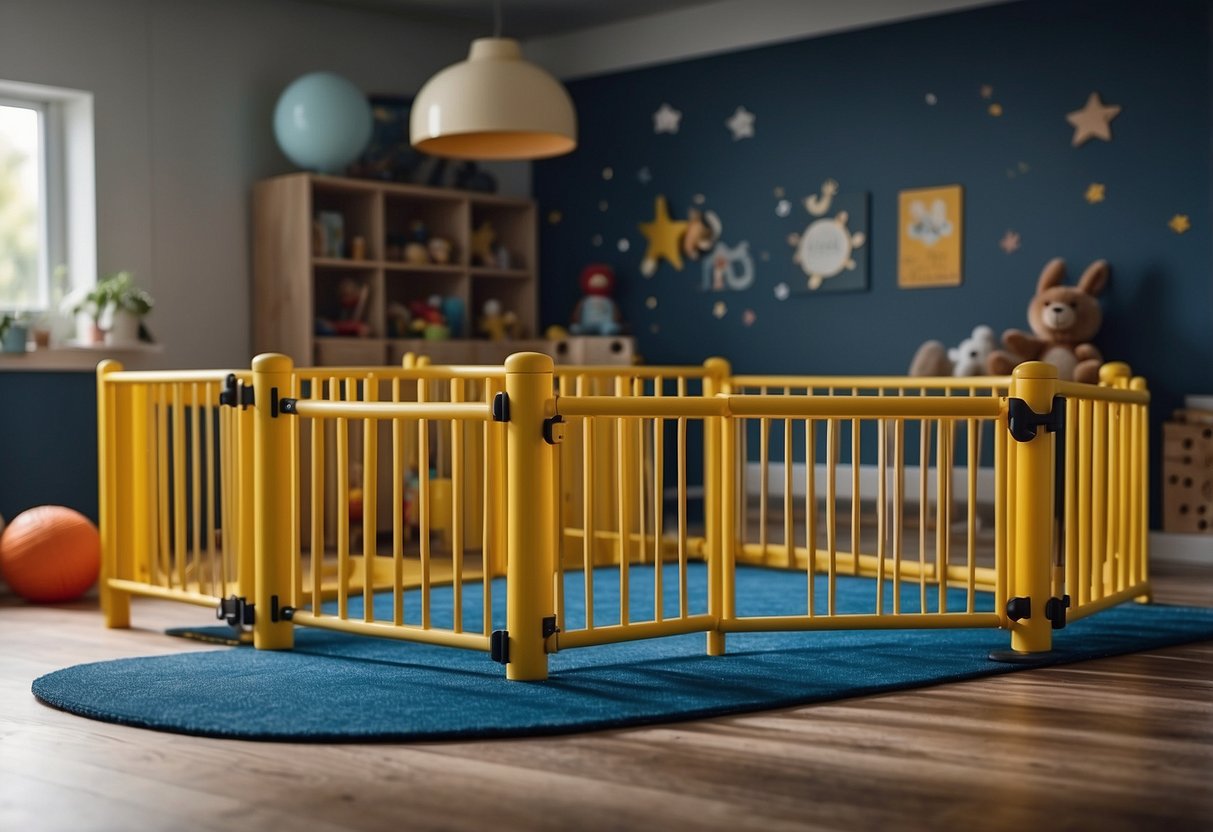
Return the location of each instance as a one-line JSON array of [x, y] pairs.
[[1034, 382], [272, 496], [716, 382], [116, 605], [530, 503]]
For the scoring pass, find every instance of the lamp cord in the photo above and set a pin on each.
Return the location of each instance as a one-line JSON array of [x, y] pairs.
[[496, 18]]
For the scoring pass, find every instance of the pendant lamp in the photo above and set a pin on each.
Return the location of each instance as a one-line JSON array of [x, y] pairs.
[[494, 105]]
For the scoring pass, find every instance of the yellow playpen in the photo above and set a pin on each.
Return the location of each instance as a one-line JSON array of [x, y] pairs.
[[287, 497]]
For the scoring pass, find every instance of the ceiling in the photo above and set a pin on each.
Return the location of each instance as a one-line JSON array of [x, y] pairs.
[[521, 18]]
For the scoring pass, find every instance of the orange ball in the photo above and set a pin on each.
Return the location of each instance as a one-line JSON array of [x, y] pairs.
[[50, 554]]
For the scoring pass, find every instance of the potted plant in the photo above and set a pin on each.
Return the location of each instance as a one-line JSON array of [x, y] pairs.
[[116, 306], [13, 333]]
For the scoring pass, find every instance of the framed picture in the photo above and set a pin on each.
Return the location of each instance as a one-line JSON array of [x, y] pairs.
[[930, 231], [832, 251]]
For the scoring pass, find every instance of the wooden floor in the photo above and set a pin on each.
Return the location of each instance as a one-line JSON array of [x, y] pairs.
[[1124, 743]]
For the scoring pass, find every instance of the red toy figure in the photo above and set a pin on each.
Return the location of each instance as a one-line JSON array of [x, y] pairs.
[[596, 313]]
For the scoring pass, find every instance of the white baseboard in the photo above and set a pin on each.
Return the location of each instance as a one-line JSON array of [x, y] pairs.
[[869, 481], [1181, 548]]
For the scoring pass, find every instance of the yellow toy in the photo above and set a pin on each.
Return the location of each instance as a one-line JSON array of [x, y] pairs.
[[664, 236]]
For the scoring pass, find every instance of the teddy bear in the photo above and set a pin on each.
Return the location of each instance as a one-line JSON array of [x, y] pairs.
[[596, 313], [967, 359], [1064, 319]]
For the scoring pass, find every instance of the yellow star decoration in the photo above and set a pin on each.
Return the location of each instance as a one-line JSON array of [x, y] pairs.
[[1093, 121], [664, 236], [1180, 223], [1095, 192]]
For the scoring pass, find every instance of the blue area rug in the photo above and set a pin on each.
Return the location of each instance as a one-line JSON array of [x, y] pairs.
[[339, 688]]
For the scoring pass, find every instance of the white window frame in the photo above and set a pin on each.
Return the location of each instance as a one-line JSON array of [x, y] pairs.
[[69, 205]]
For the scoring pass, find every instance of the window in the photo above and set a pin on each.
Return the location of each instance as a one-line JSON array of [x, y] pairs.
[[24, 278], [47, 199]]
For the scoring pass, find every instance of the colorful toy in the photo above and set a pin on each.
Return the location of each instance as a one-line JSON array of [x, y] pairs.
[[482, 244], [50, 554], [492, 322], [967, 359], [1064, 320], [703, 231], [440, 250], [596, 313], [428, 321], [664, 236]]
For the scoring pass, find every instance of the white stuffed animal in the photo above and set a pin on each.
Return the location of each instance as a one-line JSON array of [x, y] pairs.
[[967, 359]]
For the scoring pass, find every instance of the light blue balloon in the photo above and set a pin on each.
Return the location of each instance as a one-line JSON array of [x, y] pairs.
[[322, 122]]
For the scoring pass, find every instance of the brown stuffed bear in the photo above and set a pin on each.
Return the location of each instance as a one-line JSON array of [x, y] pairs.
[[1065, 319]]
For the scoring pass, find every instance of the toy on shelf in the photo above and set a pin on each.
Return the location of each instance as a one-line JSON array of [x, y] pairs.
[[352, 299], [482, 245], [416, 254], [1064, 320], [440, 250], [398, 320], [495, 324], [453, 313], [428, 321], [968, 359], [596, 312]]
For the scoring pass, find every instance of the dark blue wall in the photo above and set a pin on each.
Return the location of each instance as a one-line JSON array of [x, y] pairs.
[[48, 441], [852, 107]]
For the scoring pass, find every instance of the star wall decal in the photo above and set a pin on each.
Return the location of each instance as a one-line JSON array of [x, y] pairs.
[[644, 175], [664, 236], [1095, 193], [1093, 121], [1180, 223], [1009, 242], [741, 123], [987, 91], [666, 119]]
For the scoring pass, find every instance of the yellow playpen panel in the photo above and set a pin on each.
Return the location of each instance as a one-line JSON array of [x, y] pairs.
[[294, 497]]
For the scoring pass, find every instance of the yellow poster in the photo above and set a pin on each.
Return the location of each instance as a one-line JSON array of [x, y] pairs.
[[929, 237]]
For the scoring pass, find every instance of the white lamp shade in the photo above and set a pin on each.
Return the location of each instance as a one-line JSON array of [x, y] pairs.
[[494, 105]]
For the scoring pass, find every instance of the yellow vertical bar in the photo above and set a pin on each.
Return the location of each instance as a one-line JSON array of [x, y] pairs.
[[423, 504], [972, 517], [924, 468], [716, 489], [623, 505], [246, 556], [195, 469], [810, 511], [943, 496], [899, 497], [728, 533], [832, 511], [764, 485], [638, 480], [164, 572], [1083, 519], [560, 515], [682, 507], [116, 605], [1003, 488], [272, 440], [342, 442], [208, 413], [317, 500], [882, 497], [658, 505], [296, 476], [789, 529], [1141, 486], [856, 430], [399, 473], [589, 542], [457, 395], [529, 503], [370, 499], [1035, 383], [180, 525], [1071, 499], [1099, 497]]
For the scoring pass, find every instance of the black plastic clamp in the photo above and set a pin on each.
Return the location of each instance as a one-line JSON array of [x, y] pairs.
[[1055, 611], [549, 627], [287, 406], [499, 646], [501, 407], [1023, 421], [553, 430], [278, 613], [1019, 608], [235, 611], [234, 394]]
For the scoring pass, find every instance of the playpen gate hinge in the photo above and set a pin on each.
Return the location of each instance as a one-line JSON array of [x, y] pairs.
[[235, 611], [1022, 420], [234, 394], [287, 406], [1055, 611], [278, 613], [1019, 608], [501, 407], [553, 430], [499, 646]]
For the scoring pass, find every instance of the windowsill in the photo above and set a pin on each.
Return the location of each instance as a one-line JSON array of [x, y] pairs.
[[72, 357]]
